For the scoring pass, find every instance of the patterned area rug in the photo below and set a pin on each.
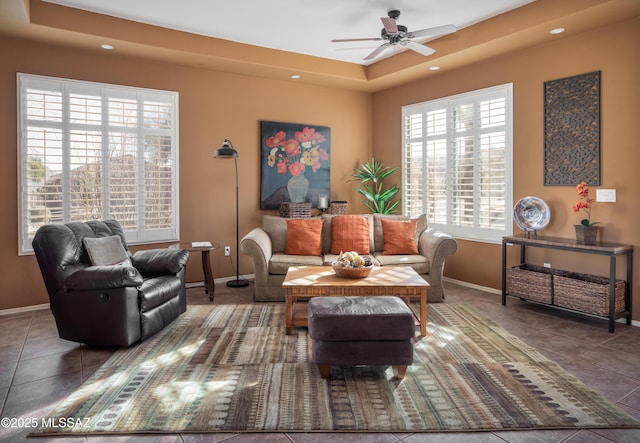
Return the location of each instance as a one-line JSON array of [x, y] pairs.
[[232, 368]]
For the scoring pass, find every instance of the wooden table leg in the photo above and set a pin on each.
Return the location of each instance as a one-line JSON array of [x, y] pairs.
[[288, 311], [423, 312], [209, 284]]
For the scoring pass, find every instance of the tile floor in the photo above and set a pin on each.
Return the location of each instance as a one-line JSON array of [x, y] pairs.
[[38, 370]]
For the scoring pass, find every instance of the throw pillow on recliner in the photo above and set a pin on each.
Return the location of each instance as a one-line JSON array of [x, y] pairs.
[[106, 251]]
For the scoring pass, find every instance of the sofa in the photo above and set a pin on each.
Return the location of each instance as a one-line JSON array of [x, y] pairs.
[[271, 255], [100, 293]]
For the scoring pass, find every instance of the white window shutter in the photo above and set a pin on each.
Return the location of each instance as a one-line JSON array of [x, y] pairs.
[[457, 163], [91, 151]]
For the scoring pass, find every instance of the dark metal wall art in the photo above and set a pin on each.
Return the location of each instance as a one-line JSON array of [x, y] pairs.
[[572, 130]]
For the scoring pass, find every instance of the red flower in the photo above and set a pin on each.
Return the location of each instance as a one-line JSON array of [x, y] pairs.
[[291, 147], [309, 135], [584, 204], [296, 168], [282, 167], [275, 140]]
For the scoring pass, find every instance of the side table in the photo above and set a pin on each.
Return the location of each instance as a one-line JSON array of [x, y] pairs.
[[209, 286]]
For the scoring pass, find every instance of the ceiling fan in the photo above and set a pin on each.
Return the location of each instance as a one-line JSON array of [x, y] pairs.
[[396, 34]]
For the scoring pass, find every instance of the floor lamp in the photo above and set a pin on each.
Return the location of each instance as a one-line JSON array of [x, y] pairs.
[[227, 151]]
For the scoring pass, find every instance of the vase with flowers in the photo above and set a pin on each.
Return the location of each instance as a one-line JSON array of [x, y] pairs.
[[292, 153], [586, 231]]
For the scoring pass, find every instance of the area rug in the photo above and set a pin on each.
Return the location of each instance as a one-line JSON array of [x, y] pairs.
[[231, 368]]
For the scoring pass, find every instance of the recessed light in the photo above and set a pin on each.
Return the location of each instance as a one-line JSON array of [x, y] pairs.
[[295, 76], [105, 46], [556, 31], [434, 68]]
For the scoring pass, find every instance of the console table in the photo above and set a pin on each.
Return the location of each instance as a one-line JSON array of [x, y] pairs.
[[611, 250]]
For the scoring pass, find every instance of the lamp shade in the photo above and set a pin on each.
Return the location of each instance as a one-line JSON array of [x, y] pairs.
[[225, 151]]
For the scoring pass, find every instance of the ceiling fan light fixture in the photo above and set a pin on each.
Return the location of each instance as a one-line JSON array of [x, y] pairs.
[[393, 34]]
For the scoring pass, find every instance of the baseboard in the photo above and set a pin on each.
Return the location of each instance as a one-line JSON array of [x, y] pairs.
[[466, 284], [197, 284], [23, 309], [250, 277]]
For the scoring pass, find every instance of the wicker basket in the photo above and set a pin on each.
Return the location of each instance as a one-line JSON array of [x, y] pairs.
[[532, 282], [295, 210], [588, 293], [338, 207], [349, 272]]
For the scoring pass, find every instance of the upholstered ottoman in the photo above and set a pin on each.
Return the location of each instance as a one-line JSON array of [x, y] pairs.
[[361, 330]]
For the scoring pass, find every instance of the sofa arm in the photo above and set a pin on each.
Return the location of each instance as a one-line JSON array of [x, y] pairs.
[[257, 245], [103, 277], [436, 246]]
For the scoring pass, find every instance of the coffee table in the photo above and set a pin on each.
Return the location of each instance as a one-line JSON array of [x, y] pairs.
[[304, 282]]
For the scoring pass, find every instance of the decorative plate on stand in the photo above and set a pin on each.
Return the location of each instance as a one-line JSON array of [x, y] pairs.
[[531, 214]]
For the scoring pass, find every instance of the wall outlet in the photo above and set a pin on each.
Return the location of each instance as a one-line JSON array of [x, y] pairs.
[[547, 265], [227, 251]]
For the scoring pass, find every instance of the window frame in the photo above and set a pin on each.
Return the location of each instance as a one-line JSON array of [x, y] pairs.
[[474, 233], [65, 125]]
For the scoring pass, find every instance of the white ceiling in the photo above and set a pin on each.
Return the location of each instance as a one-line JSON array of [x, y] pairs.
[[300, 26]]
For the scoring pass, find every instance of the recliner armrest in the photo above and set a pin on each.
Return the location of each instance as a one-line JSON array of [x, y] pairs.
[[156, 262], [103, 277]]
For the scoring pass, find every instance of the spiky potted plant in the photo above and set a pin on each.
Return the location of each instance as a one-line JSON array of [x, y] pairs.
[[376, 198]]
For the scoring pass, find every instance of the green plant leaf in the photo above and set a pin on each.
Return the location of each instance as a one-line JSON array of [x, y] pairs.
[[375, 197]]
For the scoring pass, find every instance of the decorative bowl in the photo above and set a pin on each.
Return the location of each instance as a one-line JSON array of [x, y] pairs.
[[531, 214], [350, 272]]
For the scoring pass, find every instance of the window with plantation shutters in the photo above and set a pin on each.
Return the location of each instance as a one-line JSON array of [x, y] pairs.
[[91, 151], [457, 163]]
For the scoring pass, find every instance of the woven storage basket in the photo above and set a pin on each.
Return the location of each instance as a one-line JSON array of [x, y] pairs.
[[532, 282], [587, 293], [295, 210], [338, 207]]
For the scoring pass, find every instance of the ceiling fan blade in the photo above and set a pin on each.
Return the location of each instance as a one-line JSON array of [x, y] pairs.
[[432, 32], [377, 51], [424, 50], [341, 40], [390, 25]]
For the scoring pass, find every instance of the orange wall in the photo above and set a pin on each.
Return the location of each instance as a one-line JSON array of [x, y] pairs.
[[213, 106], [612, 50]]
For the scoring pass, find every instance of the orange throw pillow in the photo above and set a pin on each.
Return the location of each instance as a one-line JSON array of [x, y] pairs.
[[349, 233], [303, 236], [399, 237]]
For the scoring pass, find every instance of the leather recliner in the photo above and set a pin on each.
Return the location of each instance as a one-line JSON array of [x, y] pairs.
[[108, 304]]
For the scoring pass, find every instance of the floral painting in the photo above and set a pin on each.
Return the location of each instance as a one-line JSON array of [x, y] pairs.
[[295, 163]]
